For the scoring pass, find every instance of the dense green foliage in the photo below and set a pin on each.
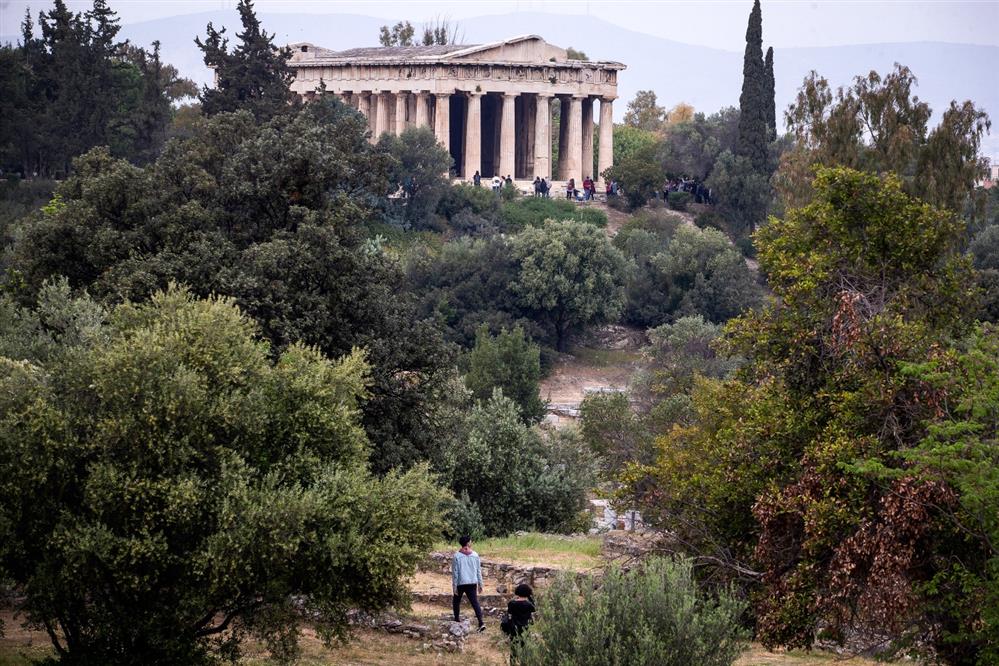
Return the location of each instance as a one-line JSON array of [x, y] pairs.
[[654, 614], [569, 276], [168, 487], [867, 281], [507, 361], [754, 105], [269, 214], [419, 174], [621, 427], [879, 125], [683, 271], [77, 87], [467, 284], [640, 173], [254, 76], [514, 476], [961, 453]]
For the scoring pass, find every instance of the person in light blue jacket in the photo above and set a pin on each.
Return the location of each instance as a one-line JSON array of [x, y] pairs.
[[466, 578]]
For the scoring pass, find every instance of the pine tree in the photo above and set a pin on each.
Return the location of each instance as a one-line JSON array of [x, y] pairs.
[[752, 142], [254, 76], [768, 94], [65, 124]]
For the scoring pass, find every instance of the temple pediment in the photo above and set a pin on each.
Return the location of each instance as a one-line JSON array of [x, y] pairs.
[[527, 48], [522, 50]]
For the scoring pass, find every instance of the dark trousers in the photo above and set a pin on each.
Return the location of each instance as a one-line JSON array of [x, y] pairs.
[[473, 598]]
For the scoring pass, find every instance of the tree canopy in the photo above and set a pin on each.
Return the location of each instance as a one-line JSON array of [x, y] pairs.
[[253, 76], [169, 487], [868, 280], [879, 125], [77, 86], [271, 214]]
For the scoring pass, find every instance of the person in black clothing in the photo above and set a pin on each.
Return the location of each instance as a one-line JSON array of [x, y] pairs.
[[520, 610]]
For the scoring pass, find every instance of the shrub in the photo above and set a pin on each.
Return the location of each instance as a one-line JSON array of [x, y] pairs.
[[657, 220], [679, 200], [691, 272], [619, 203], [479, 200], [518, 479], [652, 615], [746, 246], [508, 361], [593, 216], [464, 519], [533, 211], [467, 223], [710, 219]]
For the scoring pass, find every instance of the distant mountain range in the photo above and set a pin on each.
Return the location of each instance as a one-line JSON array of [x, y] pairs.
[[705, 77]]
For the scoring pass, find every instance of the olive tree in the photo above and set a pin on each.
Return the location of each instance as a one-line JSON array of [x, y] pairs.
[[168, 487], [569, 276]]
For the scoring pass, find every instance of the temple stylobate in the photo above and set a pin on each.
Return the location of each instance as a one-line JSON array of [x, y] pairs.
[[489, 105]]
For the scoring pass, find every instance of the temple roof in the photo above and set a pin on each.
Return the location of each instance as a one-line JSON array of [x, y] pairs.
[[522, 49]]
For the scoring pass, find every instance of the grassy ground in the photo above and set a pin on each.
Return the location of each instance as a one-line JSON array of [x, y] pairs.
[[576, 553], [603, 358]]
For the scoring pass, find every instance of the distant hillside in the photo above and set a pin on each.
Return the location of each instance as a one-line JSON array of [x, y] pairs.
[[705, 77]]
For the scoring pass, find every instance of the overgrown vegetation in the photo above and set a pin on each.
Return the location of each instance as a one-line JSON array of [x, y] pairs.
[[170, 488], [655, 614], [250, 375]]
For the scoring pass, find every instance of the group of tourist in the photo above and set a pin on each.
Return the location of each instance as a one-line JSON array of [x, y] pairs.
[[497, 182], [695, 188], [541, 187], [589, 190], [466, 580]]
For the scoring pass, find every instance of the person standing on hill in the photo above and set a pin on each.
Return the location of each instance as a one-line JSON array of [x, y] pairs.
[[466, 578]]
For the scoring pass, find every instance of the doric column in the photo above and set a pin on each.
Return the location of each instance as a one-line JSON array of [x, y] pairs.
[[563, 133], [587, 163], [442, 119], [382, 114], [421, 109], [542, 136], [364, 104], [473, 135], [508, 146], [400, 111], [574, 141], [606, 148]]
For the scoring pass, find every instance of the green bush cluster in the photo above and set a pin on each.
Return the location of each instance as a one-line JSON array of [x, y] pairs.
[[653, 614], [679, 200], [514, 476], [169, 486]]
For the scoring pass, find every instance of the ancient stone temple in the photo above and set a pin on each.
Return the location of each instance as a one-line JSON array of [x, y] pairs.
[[490, 105]]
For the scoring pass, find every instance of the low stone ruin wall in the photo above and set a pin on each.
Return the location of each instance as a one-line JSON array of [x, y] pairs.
[[506, 576]]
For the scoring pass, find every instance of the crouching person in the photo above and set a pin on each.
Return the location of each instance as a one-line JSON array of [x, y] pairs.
[[520, 611]]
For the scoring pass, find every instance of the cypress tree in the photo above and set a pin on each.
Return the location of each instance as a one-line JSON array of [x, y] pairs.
[[752, 142], [768, 94], [254, 76]]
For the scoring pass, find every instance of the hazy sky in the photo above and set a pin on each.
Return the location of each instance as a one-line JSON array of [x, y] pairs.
[[786, 23]]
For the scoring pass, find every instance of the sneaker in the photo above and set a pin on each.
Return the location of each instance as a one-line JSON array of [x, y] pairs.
[[481, 628]]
